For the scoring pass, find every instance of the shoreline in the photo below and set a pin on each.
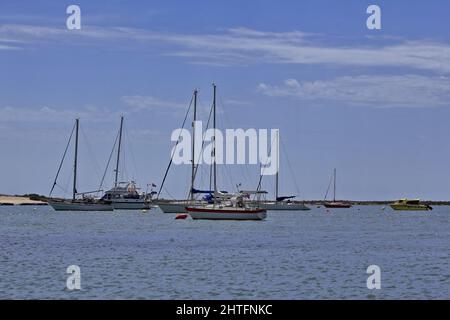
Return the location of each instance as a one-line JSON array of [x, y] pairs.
[[9, 200], [38, 200]]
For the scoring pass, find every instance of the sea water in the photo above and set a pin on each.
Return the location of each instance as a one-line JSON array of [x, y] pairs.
[[315, 254]]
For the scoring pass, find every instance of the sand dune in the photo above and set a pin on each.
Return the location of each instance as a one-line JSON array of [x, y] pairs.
[[12, 200]]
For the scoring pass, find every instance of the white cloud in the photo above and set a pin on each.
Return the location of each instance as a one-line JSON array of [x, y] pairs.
[[375, 91], [6, 45], [247, 46], [239, 103], [138, 103], [49, 114], [135, 104]]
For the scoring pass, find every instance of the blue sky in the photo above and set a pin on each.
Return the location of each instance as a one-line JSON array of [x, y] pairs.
[[372, 103]]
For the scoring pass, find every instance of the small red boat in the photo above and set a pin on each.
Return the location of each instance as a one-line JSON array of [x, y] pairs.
[[181, 216]]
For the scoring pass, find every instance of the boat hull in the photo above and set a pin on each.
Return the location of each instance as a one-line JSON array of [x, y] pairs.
[[173, 207], [226, 214], [130, 205], [337, 205], [80, 206], [176, 206], [402, 207], [280, 206]]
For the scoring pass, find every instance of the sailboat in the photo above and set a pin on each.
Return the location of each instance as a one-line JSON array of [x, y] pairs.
[[334, 203], [125, 195], [224, 207], [86, 203], [282, 203], [179, 206]]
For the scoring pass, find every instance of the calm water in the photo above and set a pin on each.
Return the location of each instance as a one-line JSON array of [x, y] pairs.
[[306, 255]]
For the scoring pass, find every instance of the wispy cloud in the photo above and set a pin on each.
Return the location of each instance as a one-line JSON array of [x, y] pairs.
[[138, 103], [375, 91], [133, 104], [239, 103], [49, 114], [248, 46], [6, 47]]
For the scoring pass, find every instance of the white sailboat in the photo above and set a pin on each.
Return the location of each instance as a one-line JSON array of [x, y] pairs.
[[179, 206], [224, 209], [171, 206], [80, 205], [281, 203], [125, 195], [86, 203]]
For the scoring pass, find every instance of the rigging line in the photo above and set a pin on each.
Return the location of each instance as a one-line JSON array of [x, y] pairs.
[[203, 143], [328, 189], [123, 170], [264, 168], [69, 179], [90, 150], [167, 191], [109, 161], [60, 187], [133, 158], [62, 161], [245, 172], [226, 123], [188, 179], [174, 149], [283, 147]]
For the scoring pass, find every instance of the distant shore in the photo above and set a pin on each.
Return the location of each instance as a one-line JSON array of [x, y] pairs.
[[8, 200], [36, 199], [377, 202]]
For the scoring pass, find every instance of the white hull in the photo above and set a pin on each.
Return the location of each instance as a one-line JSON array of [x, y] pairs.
[[227, 214], [130, 205], [173, 207], [79, 206], [176, 206], [283, 206]]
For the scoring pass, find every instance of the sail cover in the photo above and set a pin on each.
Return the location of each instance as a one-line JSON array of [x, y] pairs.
[[285, 198], [206, 191]]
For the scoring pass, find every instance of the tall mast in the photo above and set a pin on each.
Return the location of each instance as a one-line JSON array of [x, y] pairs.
[[278, 166], [334, 186], [74, 191], [118, 151], [193, 144], [214, 145]]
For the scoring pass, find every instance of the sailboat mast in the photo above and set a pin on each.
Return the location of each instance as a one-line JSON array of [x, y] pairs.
[[278, 167], [75, 161], [334, 186], [193, 145], [118, 152], [214, 146]]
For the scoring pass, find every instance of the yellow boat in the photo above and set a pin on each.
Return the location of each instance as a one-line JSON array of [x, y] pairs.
[[410, 205]]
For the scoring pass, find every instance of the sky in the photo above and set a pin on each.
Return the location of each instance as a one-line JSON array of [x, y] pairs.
[[375, 104]]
